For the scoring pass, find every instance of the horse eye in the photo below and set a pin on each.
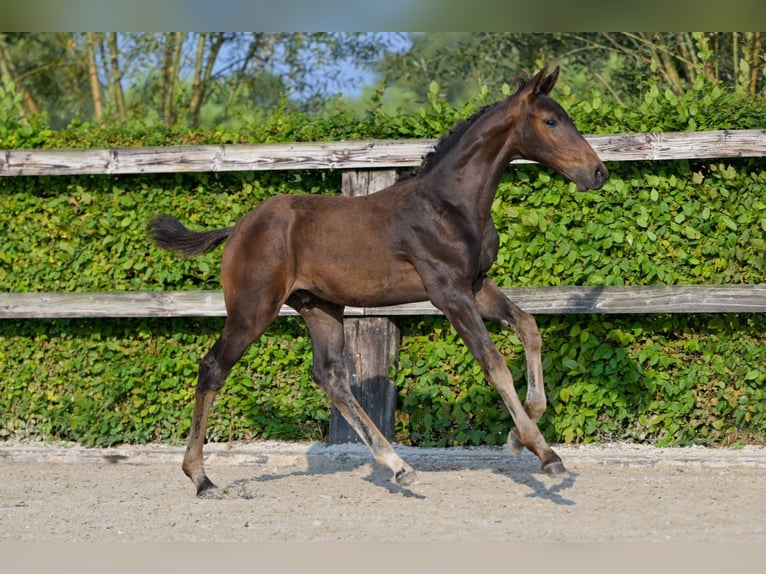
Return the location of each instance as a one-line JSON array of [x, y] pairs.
[[550, 122]]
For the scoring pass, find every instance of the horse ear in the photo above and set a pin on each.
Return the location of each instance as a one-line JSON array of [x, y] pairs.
[[546, 85], [533, 85], [541, 83]]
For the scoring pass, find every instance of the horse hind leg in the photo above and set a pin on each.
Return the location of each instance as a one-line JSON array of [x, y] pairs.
[[325, 324], [213, 370]]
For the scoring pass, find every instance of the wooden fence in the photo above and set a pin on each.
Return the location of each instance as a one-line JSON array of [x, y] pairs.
[[367, 167]]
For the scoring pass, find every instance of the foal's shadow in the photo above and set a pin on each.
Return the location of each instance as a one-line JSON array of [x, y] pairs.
[[322, 462], [545, 487], [524, 470], [325, 460]]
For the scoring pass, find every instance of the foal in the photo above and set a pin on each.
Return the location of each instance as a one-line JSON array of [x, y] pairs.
[[433, 239]]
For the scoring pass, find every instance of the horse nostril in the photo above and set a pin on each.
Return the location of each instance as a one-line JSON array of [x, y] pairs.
[[601, 175]]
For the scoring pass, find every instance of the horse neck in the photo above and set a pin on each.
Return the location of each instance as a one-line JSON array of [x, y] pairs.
[[468, 175]]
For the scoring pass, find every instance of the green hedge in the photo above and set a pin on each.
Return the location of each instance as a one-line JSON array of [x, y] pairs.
[[654, 378]]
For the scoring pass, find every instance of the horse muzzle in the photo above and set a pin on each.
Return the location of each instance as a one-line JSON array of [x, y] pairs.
[[600, 176], [591, 179]]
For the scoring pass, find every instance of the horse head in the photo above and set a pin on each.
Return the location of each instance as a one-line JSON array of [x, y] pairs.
[[547, 134]]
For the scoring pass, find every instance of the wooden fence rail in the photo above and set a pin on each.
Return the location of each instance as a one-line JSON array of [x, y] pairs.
[[350, 155], [369, 166], [534, 300]]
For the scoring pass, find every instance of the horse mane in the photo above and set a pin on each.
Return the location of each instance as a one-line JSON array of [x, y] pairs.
[[448, 141]]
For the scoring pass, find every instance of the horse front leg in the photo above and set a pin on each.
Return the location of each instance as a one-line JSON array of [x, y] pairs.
[[462, 311], [325, 324], [496, 307]]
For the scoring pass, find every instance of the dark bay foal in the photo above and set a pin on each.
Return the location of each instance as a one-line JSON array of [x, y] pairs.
[[432, 239]]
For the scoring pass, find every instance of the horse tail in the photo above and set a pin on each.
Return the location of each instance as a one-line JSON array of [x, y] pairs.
[[169, 233]]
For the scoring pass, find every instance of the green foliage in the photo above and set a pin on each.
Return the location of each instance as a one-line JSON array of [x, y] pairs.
[[444, 400], [706, 106], [103, 382], [660, 379], [16, 130], [655, 378], [666, 223], [89, 233]]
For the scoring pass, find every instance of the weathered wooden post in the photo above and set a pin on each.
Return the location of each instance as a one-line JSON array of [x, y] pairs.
[[372, 343]]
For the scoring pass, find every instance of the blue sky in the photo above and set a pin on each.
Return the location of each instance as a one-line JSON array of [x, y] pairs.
[[354, 79]]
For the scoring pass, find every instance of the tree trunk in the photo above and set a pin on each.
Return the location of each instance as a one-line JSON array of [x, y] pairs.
[[95, 89], [756, 61], [171, 68], [203, 72], [665, 53], [196, 96], [115, 78], [735, 61]]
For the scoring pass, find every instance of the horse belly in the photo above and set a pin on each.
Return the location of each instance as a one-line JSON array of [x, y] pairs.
[[347, 250], [363, 283]]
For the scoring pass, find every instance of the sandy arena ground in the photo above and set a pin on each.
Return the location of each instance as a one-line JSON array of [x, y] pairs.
[[314, 492]]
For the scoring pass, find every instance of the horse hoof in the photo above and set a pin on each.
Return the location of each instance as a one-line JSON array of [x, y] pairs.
[[555, 468], [406, 477], [208, 490], [210, 494]]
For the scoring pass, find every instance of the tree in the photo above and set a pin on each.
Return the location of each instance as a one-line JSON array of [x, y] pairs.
[[49, 70], [8, 74], [171, 77], [464, 61], [619, 62], [114, 76]]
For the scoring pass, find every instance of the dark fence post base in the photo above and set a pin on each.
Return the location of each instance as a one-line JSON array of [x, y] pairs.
[[372, 344]]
